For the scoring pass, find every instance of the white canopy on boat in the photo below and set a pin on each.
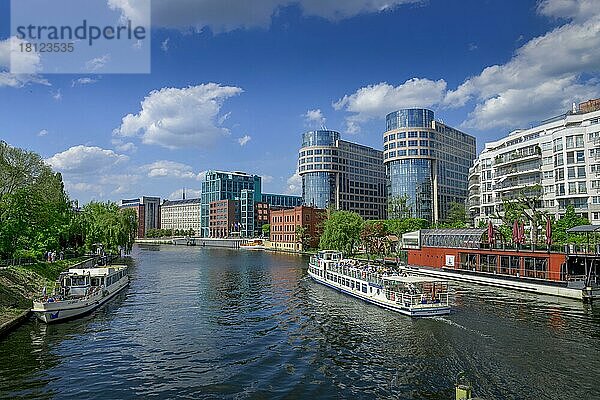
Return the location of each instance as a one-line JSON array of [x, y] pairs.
[[412, 279]]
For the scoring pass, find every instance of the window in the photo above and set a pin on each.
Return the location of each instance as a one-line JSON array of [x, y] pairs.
[[581, 187], [412, 143], [558, 146], [581, 172], [571, 172], [580, 156], [546, 146], [413, 134], [558, 160], [570, 157]]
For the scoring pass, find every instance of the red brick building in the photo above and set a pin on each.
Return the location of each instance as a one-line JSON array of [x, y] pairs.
[[261, 216], [284, 223], [224, 218]]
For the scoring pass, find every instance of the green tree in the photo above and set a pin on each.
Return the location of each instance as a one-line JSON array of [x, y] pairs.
[[457, 216], [401, 226], [302, 236], [373, 236], [35, 212], [266, 230], [524, 207], [341, 231], [105, 223], [567, 221]]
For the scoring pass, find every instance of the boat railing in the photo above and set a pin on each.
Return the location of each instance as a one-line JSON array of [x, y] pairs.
[[417, 299]]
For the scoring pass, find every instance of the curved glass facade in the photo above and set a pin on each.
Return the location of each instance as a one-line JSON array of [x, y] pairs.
[[319, 138], [318, 189], [412, 179], [409, 118]]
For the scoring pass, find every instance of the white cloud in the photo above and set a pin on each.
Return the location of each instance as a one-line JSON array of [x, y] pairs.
[[27, 62], [96, 64], [120, 145], [189, 194], [57, 95], [83, 81], [266, 178], [84, 159], [164, 46], [244, 140], [294, 184], [578, 10], [314, 118], [543, 77], [375, 101], [224, 16], [171, 169], [176, 118], [43, 132]]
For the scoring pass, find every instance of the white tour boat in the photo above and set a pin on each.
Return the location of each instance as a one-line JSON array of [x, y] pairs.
[[416, 296], [80, 291]]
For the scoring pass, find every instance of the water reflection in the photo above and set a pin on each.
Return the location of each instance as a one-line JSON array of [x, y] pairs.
[[204, 323]]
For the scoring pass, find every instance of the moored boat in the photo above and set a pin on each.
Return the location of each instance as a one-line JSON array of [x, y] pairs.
[[467, 255], [79, 291], [416, 296]]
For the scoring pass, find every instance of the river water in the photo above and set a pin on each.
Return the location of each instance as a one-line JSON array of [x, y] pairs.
[[206, 323]]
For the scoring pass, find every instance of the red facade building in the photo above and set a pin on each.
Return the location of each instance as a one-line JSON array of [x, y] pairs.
[[284, 224]]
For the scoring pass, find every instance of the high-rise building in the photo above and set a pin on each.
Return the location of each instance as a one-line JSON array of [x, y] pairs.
[[345, 175], [554, 164], [181, 214], [147, 210], [222, 185], [426, 163]]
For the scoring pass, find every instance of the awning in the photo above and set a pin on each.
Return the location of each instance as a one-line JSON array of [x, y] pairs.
[[584, 229]]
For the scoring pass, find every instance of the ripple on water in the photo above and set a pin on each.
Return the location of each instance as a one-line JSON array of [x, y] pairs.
[[206, 323]]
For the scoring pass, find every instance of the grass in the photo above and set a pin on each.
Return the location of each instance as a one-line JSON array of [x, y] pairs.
[[51, 271]]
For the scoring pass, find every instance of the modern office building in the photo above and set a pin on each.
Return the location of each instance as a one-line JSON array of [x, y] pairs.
[[556, 163], [342, 174], [224, 217], [284, 223], [281, 200], [181, 215], [222, 185], [426, 164], [147, 210]]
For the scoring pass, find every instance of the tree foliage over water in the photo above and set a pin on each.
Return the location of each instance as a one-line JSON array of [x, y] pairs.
[[36, 214]]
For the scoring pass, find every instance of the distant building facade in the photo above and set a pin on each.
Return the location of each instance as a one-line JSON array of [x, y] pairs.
[[426, 163], [181, 214], [557, 163], [147, 210], [224, 218], [345, 175], [281, 200], [285, 222], [223, 185]]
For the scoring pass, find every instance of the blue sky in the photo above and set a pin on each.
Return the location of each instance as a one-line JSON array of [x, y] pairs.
[[234, 84]]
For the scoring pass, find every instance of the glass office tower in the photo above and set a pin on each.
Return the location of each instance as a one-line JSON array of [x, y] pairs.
[[426, 163], [345, 175], [222, 185]]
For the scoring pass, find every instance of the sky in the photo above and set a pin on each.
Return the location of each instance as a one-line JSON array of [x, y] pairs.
[[234, 84]]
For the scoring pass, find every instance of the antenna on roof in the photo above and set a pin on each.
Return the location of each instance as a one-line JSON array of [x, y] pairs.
[[574, 109], [183, 193]]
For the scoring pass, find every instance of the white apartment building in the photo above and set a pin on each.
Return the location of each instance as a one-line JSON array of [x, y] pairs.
[[558, 160], [181, 214]]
